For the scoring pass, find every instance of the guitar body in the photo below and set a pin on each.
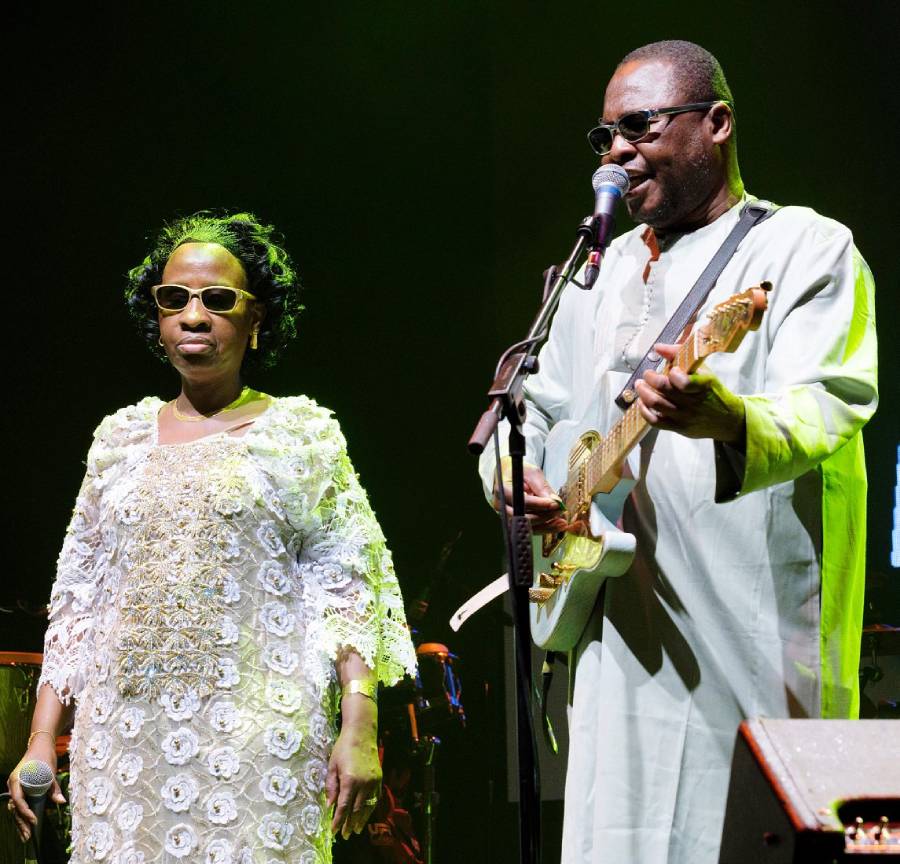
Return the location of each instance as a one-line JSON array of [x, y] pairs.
[[594, 477], [570, 569]]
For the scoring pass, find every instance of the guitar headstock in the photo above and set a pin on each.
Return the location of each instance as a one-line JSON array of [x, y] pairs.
[[730, 320]]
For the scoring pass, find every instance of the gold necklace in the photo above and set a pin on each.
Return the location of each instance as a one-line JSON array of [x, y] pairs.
[[242, 399]]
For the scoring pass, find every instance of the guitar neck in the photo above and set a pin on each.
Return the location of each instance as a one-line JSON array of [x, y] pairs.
[[723, 331], [631, 427]]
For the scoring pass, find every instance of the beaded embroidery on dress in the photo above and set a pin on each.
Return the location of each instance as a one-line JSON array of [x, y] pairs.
[[203, 593]]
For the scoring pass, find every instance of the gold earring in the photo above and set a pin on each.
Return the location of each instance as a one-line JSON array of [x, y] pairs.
[[160, 342], [253, 340]]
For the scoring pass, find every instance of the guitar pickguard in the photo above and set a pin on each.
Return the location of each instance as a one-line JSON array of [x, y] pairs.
[[571, 567], [572, 576]]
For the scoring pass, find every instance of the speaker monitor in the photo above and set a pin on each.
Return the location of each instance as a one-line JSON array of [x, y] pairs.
[[813, 792]]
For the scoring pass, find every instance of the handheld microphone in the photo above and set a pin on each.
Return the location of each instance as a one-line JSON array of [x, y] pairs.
[[36, 778], [610, 183]]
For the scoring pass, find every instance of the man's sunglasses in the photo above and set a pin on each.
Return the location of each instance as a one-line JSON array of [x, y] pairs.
[[635, 126], [216, 298]]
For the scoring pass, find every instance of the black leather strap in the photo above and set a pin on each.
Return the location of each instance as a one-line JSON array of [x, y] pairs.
[[752, 214]]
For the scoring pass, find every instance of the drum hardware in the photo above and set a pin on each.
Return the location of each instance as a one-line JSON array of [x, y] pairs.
[[429, 795], [881, 639], [415, 716], [878, 640], [437, 706], [439, 691]]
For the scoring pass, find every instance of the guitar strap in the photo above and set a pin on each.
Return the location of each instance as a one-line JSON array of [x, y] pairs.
[[752, 214]]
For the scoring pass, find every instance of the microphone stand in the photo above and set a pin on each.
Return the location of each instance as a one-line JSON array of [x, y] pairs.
[[507, 402]]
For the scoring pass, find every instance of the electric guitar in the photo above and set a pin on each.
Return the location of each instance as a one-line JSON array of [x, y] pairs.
[[571, 567]]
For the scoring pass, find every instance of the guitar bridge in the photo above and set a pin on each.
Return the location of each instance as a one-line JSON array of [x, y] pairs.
[[547, 585], [540, 595], [560, 573]]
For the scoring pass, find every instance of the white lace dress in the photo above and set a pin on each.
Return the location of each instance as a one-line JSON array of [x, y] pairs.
[[204, 591]]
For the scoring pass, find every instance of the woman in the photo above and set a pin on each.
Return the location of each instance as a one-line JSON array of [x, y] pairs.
[[222, 583]]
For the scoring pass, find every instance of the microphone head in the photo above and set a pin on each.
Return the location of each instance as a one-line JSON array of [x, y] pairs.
[[610, 174], [36, 777]]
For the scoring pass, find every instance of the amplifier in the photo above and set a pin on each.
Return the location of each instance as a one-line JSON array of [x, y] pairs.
[[813, 792]]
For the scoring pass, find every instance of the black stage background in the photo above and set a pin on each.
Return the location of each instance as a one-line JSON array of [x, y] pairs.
[[425, 162]]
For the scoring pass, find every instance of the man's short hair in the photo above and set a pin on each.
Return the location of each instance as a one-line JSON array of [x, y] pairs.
[[696, 71]]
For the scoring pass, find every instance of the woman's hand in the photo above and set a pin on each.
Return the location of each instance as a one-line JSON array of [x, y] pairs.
[[43, 748], [353, 784]]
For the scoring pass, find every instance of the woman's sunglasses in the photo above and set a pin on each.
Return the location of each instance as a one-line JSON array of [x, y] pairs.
[[216, 298], [635, 126]]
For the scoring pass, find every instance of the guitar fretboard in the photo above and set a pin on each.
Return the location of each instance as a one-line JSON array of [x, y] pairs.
[[723, 331], [630, 428]]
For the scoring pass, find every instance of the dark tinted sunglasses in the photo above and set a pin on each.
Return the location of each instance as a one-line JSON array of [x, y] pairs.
[[215, 298], [635, 126]]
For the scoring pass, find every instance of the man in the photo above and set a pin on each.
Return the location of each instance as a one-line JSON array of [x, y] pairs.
[[745, 595]]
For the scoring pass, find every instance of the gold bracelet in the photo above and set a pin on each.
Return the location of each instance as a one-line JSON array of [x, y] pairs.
[[38, 732], [360, 685]]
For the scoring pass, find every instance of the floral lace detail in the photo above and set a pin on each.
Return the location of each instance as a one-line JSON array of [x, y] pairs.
[[282, 740], [204, 593], [223, 762], [180, 840], [131, 722], [128, 769], [224, 717], [219, 852], [129, 816], [278, 785], [179, 792], [180, 746], [275, 831], [221, 808], [99, 795], [100, 840], [345, 571]]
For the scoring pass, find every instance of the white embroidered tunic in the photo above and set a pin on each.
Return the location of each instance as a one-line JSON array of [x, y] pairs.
[[204, 591]]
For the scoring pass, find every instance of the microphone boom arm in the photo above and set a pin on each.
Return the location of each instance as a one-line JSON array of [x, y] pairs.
[[506, 390]]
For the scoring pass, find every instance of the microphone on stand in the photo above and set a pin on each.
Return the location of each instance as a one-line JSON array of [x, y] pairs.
[[36, 778], [610, 183]]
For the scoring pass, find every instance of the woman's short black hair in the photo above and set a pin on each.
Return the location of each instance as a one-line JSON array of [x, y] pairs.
[[271, 276]]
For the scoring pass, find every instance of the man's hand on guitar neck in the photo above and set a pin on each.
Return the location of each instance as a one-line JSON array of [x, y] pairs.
[[697, 406], [543, 507]]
